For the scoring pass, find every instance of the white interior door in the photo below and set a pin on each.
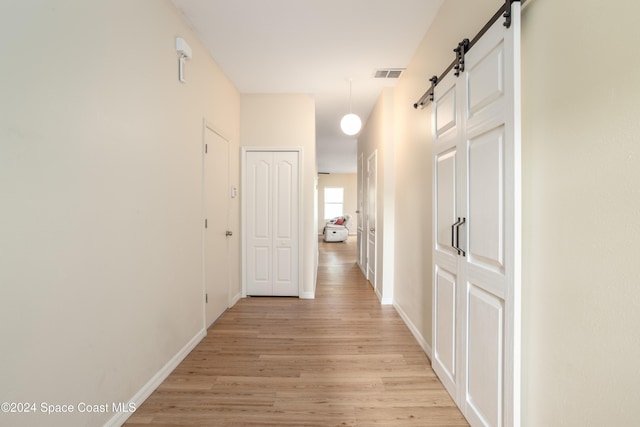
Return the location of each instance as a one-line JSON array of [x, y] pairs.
[[371, 218], [361, 244], [491, 142], [272, 223], [217, 202], [476, 229], [447, 199]]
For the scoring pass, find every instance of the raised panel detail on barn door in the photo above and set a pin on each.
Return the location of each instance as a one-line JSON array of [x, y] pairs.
[[476, 223], [485, 351], [271, 204], [486, 182]]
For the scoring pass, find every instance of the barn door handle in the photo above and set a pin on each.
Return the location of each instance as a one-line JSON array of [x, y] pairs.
[[229, 233], [454, 228], [458, 224]]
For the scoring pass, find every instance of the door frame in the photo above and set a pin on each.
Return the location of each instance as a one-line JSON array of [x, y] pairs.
[[243, 214], [208, 125]]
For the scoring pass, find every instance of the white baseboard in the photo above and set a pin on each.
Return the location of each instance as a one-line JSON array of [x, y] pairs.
[[235, 299], [307, 295], [386, 301], [421, 341], [146, 390]]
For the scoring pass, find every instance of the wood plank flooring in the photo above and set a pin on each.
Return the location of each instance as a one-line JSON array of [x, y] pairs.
[[339, 360]]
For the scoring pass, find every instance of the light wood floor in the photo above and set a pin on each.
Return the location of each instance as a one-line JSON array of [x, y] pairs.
[[339, 360]]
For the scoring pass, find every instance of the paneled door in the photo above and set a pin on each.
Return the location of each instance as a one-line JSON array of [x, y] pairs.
[[476, 229], [372, 178], [448, 197], [216, 232], [362, 245], [271, 249]]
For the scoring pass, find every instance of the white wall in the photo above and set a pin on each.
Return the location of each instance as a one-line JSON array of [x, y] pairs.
[[581, 203], [348, 181], [101, 180], [288, 120]]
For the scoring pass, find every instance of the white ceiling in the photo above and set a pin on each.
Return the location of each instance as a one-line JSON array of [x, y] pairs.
[[314, 47]]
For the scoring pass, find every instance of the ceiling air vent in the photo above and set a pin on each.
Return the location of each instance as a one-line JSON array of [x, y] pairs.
[[388, 73]]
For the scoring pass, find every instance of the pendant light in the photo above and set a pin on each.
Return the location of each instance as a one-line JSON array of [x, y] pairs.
[[350, 123]]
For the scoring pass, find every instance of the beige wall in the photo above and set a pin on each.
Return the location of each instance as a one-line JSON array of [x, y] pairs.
[[377, 137], [581, 169], [581, 178], [348, 181], [289, 121], [101, 182]]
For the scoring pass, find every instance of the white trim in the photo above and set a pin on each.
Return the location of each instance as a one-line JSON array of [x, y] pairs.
[[234, 299], [155, 381], [386, 301], [514, 390], [243, 217], [414, 331], [307, 295], [205, 125]]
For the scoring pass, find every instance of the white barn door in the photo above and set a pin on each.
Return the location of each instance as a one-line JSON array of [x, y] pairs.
[[271, 249], [477, 223], [447, 199]]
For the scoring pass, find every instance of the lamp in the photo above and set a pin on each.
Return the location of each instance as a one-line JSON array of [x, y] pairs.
[[350, 123]]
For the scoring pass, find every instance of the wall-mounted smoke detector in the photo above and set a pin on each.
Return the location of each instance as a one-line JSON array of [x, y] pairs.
[[387, 73]]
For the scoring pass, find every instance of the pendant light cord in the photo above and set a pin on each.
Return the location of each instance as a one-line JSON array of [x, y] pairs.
[[350, 109]]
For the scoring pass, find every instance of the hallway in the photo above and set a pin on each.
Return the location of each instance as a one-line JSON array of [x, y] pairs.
[[339, 360]]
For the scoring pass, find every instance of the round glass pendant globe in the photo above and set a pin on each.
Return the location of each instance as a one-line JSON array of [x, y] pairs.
[[350, 124]]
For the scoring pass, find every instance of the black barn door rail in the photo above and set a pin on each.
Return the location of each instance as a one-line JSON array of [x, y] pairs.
[[463, 47]]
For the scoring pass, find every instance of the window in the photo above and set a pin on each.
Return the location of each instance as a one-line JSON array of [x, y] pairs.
[[333, 201]]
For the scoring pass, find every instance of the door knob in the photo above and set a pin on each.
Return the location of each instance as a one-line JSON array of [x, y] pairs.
[[228, 233]]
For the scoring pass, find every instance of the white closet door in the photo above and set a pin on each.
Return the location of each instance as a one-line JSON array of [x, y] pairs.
[[285, 224], [476, 206], [259, 230], [372, 195], [446, 126], [272, 215], [492, 145], [361, 235]]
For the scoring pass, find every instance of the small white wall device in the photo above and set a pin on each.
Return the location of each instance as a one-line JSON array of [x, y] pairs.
[[184, 52]]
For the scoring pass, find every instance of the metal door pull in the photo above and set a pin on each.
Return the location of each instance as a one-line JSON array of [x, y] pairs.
[[458, 224], [454, 228]]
